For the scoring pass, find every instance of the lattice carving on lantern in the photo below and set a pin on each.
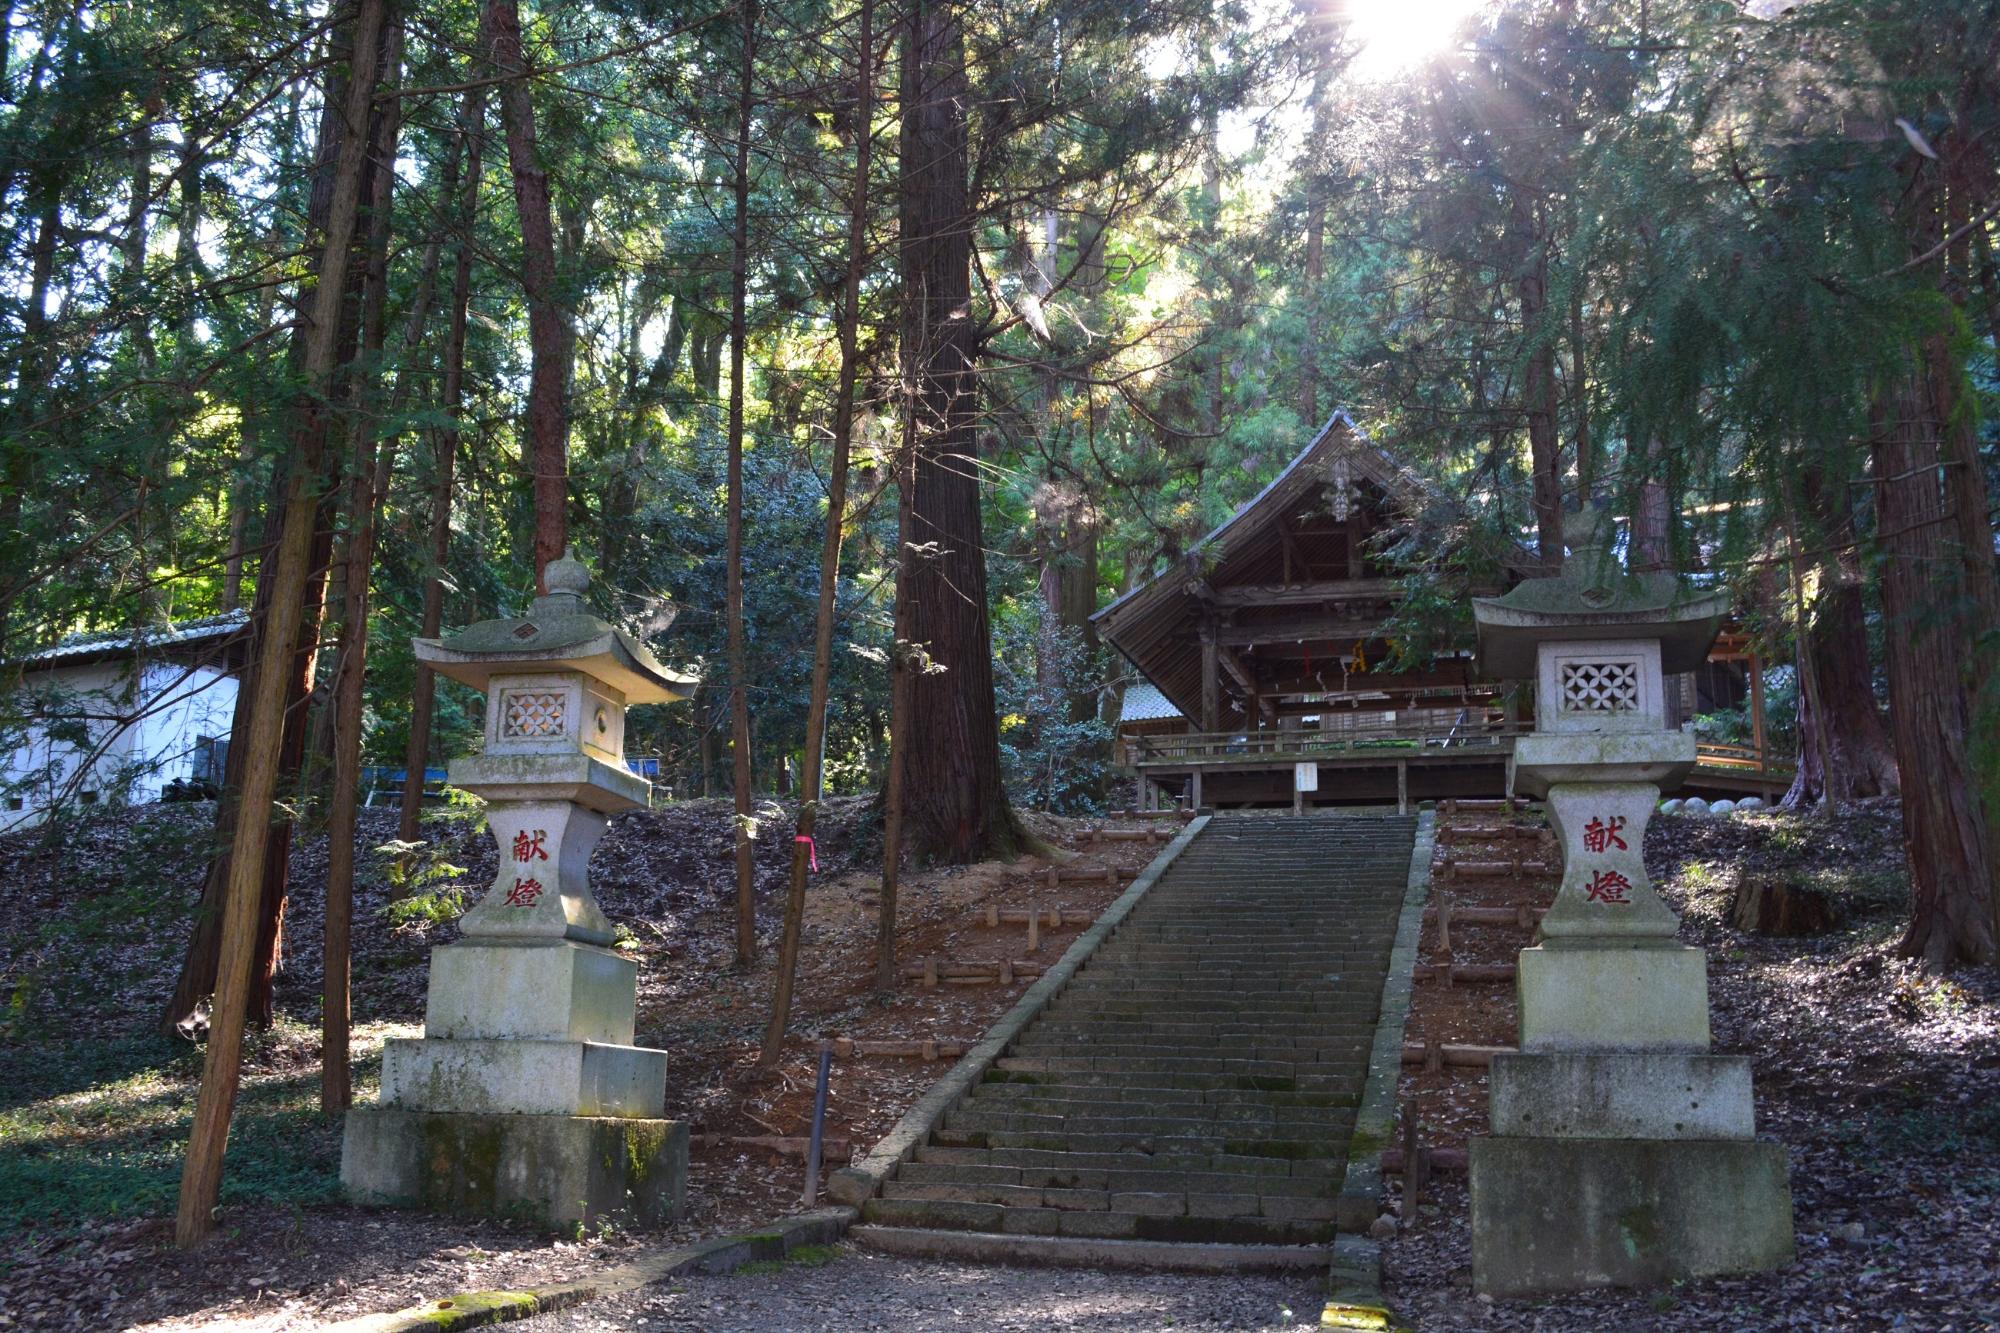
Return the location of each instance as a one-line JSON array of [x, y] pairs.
[[533, 714], [1600, 687]]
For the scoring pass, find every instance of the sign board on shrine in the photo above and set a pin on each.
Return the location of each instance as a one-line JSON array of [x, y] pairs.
[[1305, 777]]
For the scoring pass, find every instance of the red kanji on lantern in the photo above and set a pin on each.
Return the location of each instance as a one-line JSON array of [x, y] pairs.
[[1598, 835], [1608, 886], [529, 848], [524, 893]]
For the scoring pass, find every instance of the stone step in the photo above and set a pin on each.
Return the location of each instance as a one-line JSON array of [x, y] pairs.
[[1211, 1121], [1105, 1178], [1135, 1098], [1237, 1143], [1162, 1202], [1325, 1054], [1077, 1165], [1062, 1097], [1115, 1003], [1341, 1080], [1265, 969], [1306, 994], [1195, 1085], [979, 1247], [1209, 1023], [1274, 1070], [1126, 1027], [1170, 1222]]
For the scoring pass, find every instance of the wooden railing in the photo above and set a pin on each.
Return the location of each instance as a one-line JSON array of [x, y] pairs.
[[1387, 738], [1746, 761]]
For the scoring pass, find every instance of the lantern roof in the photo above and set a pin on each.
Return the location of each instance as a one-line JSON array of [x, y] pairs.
[[1594, 597], [559, 633]]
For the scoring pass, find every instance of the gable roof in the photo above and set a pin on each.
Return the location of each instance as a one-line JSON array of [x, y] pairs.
[[1156, 625], [108, 645]]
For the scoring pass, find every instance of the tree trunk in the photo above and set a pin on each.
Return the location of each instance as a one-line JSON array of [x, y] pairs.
[[548, 427], [288, 574], [310, 422], [739, 670], [367, 488], [1845, 752], [423, 703], [904, 664], [1944, 830], [1538, 389], [957, 808], [811, 771]]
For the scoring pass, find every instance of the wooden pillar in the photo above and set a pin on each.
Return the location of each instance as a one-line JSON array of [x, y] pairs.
[[1757, 708], [1402, 787], [1195, 790], [1211, 680]]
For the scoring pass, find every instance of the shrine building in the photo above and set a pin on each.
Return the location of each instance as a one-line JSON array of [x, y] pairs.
[[1268, 658]]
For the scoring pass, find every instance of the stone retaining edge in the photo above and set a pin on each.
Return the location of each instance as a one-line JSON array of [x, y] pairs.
[[856, 1184], [725, 1254], [1355, 1282]]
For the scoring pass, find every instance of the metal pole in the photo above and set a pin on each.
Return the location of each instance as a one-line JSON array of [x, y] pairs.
[[811, 1195]]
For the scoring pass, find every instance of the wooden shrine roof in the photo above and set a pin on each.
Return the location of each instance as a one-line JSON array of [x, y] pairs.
[[1284, 574]]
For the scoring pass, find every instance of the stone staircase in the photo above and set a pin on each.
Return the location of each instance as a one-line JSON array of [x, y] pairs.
[[1196, 1083]]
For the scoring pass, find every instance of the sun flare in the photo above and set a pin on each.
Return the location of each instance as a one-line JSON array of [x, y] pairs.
[[1391, 36]]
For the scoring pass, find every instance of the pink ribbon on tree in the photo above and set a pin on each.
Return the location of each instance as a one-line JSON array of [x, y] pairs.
[[812, 850]]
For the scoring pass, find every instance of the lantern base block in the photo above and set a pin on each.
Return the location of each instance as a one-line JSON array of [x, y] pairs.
[[1621, 1095], [544, 1168], [1608, 995], [516, 1077], [539, 989], [1553, 1215]]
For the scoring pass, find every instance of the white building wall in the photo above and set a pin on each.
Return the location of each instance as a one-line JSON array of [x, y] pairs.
[[169, 710], [187, 706]]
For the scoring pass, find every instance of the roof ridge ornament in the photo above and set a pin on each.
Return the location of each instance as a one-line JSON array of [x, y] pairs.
[[1593, 538]]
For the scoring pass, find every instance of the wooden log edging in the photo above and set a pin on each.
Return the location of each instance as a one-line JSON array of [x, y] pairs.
[[1004, 972], [1464, 974], [855, 1184], [1435, 1159], [1356, 1277], [1490, 833], [831, 1150], [1491, 869], [1522, 915], [1049, 918], [1437, 1055], [1056, 876], [1100, 833], [1466, 805], [925, 1048]]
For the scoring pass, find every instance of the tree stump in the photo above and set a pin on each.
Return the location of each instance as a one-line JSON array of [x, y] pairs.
[[1775, 905]]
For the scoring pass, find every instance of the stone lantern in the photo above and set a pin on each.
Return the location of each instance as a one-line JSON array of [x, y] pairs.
[[525, 1094], [1623, 1152]]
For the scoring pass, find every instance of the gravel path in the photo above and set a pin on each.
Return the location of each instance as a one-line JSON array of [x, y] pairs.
[[860, 1290]]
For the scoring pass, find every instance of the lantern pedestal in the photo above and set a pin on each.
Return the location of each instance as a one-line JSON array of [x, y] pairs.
[[1622, 1152], [525, 1095], [1562, 1214], [551, 1168]]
